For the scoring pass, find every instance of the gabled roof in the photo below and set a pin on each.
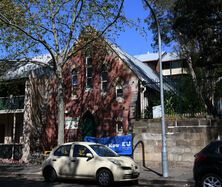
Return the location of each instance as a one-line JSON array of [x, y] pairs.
[[144, 72], [22, 69], [147, 75]]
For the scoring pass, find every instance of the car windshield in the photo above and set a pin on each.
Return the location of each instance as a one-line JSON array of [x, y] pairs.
[[103, 151]]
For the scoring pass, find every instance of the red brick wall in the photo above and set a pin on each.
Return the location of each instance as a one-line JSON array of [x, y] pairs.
[[104, 107]]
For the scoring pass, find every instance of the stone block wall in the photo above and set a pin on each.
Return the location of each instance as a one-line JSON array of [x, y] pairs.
[[185, 138]]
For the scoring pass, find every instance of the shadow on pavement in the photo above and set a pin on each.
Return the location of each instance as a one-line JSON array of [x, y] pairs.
[[148, 169], [143, 154]]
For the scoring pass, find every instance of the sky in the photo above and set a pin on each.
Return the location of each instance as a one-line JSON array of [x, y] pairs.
[[131, 40]]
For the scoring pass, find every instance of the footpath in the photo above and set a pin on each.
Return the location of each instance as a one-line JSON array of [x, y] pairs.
[[178, 176]]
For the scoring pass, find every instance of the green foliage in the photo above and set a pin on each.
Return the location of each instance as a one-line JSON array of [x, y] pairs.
[[185, 101], [169, 105], [53, 26], [39, 27], [196, 26]]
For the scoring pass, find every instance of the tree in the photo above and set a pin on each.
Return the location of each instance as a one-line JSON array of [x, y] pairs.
[[196, 26], [53, 26]]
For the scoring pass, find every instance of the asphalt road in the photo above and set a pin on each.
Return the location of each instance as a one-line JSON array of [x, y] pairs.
[[37, 181]]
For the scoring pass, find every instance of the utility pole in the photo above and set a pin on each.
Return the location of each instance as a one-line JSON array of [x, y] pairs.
[[164, 145]]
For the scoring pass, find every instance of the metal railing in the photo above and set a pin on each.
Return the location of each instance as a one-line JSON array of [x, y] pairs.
[[12, 102], [11, 151]]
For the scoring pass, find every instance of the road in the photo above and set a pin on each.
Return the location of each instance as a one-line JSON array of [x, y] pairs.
[[37, 181]]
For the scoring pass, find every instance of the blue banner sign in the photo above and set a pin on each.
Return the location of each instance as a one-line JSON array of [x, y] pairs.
[[120, 144]]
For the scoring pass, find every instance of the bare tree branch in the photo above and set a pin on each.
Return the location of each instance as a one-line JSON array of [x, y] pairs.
[[218, 80], [99, 35], [8, 22], [54, 30], [74, 19]]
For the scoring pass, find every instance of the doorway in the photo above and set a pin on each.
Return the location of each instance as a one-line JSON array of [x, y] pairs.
[[88, 125]]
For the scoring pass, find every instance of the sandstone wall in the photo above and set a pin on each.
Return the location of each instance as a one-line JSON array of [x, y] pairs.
[[185, 138]]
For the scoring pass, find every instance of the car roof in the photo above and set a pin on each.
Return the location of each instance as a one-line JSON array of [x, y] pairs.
[[80, 142]]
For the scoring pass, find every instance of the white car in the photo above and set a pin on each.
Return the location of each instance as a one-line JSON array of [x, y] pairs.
[[87, 160]]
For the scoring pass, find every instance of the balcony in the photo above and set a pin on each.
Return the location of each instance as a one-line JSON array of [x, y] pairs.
[[12, 103]]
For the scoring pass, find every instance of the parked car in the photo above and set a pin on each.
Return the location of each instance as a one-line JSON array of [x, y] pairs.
[[87, 160], [207, 168]]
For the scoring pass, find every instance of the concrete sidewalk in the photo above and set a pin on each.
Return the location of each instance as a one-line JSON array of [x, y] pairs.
[[178, 176]]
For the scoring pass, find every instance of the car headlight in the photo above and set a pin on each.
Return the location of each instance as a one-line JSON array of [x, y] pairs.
[[117, 162]]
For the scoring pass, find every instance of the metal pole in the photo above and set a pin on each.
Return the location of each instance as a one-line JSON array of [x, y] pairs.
[[164, 145]]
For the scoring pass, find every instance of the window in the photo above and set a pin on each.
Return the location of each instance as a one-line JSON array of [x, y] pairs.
[[63, 150], [166, 65], [119, 91], [80, 151], [104, 79], [89, 72], [74, 83], [103, 151], [74, 77], [220, 150]]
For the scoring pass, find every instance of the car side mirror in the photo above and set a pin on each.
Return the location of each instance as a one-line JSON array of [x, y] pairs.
[[89, 155]]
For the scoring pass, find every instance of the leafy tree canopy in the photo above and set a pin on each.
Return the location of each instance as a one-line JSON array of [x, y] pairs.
[[52, 26], [196, 26], [35, 27]]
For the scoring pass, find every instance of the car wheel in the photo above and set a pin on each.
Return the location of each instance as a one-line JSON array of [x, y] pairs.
[[49, 174], [211, 180], [104, 177]]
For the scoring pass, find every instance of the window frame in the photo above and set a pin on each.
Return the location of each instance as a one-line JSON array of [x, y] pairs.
[[104, 81], [74, 73], [119, 87], [89, 79], [59, 149], [80, 156], [76, 77]]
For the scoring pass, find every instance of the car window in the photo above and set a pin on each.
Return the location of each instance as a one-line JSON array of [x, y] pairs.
[[80, 151], [220, 150], [103, 151], [63, 150]]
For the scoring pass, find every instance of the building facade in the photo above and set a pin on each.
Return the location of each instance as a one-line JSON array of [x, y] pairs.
[[105, 91]]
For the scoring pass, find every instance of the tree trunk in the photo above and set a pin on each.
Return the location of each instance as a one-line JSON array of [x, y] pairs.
[[204, 89], [27, 124], [196, 84], [60, 105]]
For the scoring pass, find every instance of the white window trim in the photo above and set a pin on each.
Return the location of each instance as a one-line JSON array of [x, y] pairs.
[[119, 98], [86, 64], [102, 82]]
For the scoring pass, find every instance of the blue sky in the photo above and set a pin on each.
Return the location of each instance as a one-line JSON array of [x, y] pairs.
[[131, 40]]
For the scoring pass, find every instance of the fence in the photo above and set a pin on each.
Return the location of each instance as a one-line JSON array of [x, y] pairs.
[[11, 102], [8, 151]]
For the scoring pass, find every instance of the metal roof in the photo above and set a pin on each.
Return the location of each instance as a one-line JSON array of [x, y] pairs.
[[22, 69], [143, 71], [154, 57]]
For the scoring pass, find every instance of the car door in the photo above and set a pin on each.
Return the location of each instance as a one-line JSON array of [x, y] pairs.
[[82, 166], [219, 160], [61, 159]]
